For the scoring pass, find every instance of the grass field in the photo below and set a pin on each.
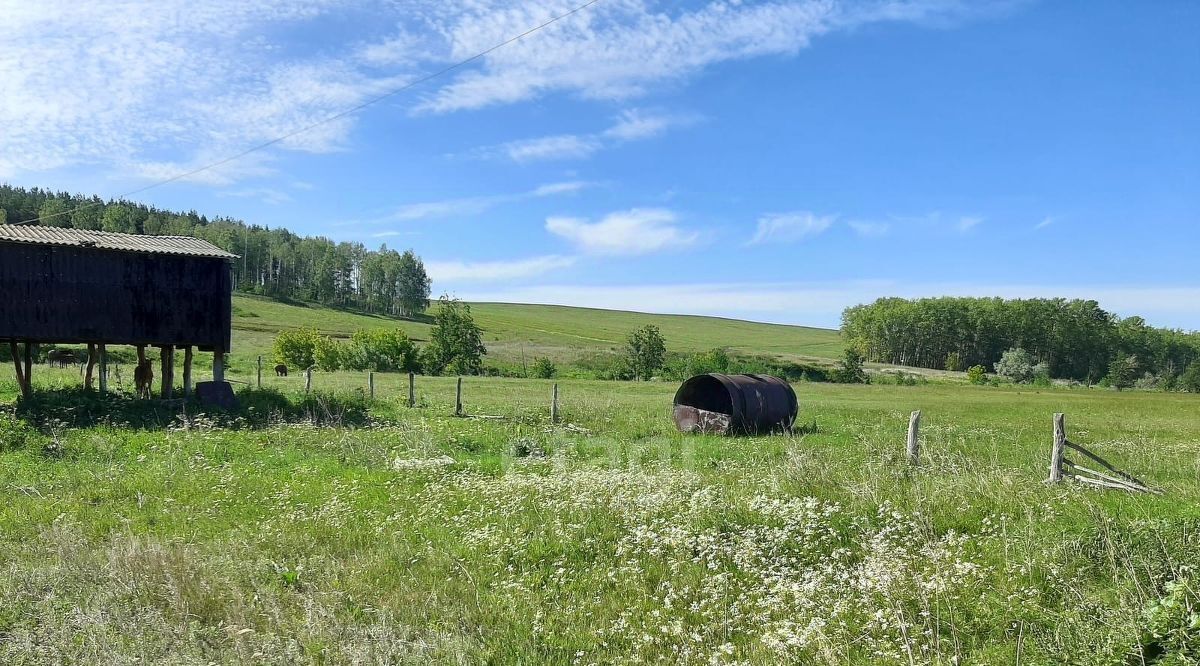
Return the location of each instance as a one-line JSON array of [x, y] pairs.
[[560, 333], [607, 539]]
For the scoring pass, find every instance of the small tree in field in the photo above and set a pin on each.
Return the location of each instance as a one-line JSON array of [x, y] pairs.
[[954, 362], [977, 375], [297, 347], [543, 368], [1122, 372], [1017, 365], [412, 285], [1190, 379], [456, 342], [645, 351], [851, 371]]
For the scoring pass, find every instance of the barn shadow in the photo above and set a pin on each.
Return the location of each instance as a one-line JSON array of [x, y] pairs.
[[77, 407]]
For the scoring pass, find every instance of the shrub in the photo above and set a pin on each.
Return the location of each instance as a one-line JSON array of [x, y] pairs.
[[1017, 365], [645, 351], [954, 362], [713, 360], [543, 368], [1122, 372], [296, 347], [327, 353], [851, 369], [977, 375], [455, 343], [381, 350], [1190, 379]]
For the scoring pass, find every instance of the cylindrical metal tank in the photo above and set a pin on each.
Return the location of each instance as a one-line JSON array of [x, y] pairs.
[[735, 405]]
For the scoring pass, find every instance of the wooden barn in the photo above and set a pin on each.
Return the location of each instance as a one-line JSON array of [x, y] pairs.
[[73, 286]]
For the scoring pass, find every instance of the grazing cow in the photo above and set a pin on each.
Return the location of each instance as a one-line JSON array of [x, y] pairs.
[[143, 377], [281, 370], [60, 357]]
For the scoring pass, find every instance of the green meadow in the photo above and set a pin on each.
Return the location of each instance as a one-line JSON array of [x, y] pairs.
[[333, 529]]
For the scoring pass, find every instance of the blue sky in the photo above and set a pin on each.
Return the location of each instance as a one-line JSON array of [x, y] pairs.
[[776, 161]]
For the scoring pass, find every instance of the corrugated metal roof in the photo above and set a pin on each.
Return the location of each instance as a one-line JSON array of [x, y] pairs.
[[105, 240]]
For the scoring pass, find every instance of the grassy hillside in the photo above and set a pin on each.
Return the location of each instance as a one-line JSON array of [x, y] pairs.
[[560, 333]]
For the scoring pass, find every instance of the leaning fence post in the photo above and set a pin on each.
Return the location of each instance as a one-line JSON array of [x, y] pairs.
[[1060, 444], [554, 405], [412, 389], [260, 372], [308, 380], [458, 410], [914, 439], [371, 383]]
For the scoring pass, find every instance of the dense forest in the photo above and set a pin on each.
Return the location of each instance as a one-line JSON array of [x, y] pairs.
[[1074, 339], [273, 262]]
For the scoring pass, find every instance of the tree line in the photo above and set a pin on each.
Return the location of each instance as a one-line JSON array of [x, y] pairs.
[[1071, 339], [272, 262]]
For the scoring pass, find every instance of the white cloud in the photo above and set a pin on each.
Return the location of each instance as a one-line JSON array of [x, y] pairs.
[[869, 229], [1046, 221], [393, 233], [968, 223], [460, 271], [558, 147], [264, 194], [622, 49], [789, 227], [821, 303], [630, 125], [476, 205], [636, 231]]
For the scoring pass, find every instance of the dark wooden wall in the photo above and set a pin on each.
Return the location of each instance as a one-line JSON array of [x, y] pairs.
[[57, 294]]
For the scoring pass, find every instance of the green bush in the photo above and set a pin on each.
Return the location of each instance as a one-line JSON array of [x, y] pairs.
[[1016, 364], [954, 362], [296, 347], [1190, 379], [327, 353], [851, 369], [381, 350], [977, 375], [543, 368]]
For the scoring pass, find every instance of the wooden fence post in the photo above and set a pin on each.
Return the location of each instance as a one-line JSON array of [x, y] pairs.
[[371, 383], [914, 438], [260, 371], [308, 380], [412, 389], [458, 407], [218, 366], [1060, 444], [554, 405]]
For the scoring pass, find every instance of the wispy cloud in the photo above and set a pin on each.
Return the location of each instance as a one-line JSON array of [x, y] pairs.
[[393, 233], [790, 227], [968, 223], [636, 231], [623, 49], [866, 229], [630, 125], [466, 271], [475, 205], [266, 195], [1046, 221]]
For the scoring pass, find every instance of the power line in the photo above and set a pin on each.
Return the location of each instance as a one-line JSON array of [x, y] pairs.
[[341, 114]]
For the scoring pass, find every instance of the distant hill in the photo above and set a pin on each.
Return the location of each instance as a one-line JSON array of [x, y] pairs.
[[557, 332]]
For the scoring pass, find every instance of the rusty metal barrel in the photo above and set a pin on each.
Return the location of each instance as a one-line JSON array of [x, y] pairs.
[[735, 405]]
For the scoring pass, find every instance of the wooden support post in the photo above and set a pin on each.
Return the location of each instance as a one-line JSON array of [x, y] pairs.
[[102, 351], [218, 366], [458, 406], [166, 357], [412, 389], [554, 405], [187, 371], [260, 371], [22, 379], [91, 366], [371, 384], [914, 438], [29, 367], [308, 380], [1060, 445]]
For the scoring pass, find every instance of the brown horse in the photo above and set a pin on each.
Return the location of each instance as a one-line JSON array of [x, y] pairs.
[[281, 370], [143, 377]]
